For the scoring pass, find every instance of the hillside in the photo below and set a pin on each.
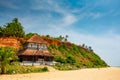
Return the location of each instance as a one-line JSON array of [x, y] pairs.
[[68, 54], [74, 55]]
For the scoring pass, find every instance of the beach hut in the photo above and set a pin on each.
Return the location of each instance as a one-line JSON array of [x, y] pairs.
[[35, 51]]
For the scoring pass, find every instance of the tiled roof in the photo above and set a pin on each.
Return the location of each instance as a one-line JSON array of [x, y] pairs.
[[36, 39], [32, 52]]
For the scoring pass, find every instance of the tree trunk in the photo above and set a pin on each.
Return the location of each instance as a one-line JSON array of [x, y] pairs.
[[3, 69]]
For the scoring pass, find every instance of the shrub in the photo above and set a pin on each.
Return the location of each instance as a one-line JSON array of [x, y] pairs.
[[70, 59], [52, 46], [63, 66], [15, 63], [10, 71], [45, 69], [78, 65], [61, 49], [75, 48], [14, 69], [60, 59]]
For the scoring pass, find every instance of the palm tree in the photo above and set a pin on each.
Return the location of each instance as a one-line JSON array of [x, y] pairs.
[[6, 55], [66, 37]]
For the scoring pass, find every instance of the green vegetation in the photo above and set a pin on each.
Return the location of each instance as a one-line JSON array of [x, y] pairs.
[[60, 38], [67, 55], [12, 29], [74, 57], [8, 64], [29, 35], [15, 68], [6, 55]]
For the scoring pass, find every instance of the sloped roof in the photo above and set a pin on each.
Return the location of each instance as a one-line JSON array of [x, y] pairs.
[[32, 52], [36, 39]]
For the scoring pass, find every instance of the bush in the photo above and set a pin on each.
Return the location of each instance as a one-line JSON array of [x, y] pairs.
[[70, 59], [10, 71], [61, 49], [52, 46], [60, 59], [63, 66], [45, 69], [14, 69], [75, 49], [15, 64], [78, 65]]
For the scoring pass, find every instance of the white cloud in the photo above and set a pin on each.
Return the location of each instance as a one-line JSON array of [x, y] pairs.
[[69, 19]]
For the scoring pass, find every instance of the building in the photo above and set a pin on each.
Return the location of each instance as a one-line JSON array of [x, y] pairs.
[[35, 52]]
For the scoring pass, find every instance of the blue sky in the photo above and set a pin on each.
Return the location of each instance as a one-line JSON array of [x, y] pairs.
[[93, 22]]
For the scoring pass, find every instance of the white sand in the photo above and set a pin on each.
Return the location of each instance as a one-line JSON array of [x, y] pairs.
[[111, 73]]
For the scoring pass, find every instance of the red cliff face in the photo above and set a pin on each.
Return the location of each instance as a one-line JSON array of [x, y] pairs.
[[51, 41], [10, 42], [15, 43]]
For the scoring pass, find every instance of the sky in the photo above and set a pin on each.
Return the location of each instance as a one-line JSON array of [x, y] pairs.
[[95, 23]]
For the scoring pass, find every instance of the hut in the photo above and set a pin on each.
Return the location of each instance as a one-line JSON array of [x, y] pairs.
[[35, 51]]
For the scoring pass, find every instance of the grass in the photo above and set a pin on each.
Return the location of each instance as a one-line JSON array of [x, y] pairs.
[[64, 67], [72, 57], [16, 68]]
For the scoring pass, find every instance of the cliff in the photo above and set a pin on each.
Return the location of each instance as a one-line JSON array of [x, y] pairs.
[[10, 42]]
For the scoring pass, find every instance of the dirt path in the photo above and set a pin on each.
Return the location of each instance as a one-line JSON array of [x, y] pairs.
[[111, 73]]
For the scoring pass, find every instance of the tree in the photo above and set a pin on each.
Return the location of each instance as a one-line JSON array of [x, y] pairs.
[[6, 55], [29, 35], [1, 31], [14, 29], [90, 49], [66, 38], [61, 38], [83, 45], [48, 36]]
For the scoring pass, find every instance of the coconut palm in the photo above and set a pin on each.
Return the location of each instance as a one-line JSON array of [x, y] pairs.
[[6, 55]]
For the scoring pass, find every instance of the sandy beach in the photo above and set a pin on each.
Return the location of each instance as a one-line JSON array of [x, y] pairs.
[[110, 73]]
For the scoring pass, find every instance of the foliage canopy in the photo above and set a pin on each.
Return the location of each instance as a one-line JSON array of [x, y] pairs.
[[12, 29], [6, 55]]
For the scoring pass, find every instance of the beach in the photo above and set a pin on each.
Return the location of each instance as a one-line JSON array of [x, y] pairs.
[[110, 73]]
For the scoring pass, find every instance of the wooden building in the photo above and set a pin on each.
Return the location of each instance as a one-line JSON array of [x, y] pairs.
[[35, 51]]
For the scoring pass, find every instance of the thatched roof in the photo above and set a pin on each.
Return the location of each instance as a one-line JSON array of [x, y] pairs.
[[32, 52], [36, 39]]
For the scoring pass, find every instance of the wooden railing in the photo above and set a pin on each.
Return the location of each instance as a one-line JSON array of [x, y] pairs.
[[38, 63]]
